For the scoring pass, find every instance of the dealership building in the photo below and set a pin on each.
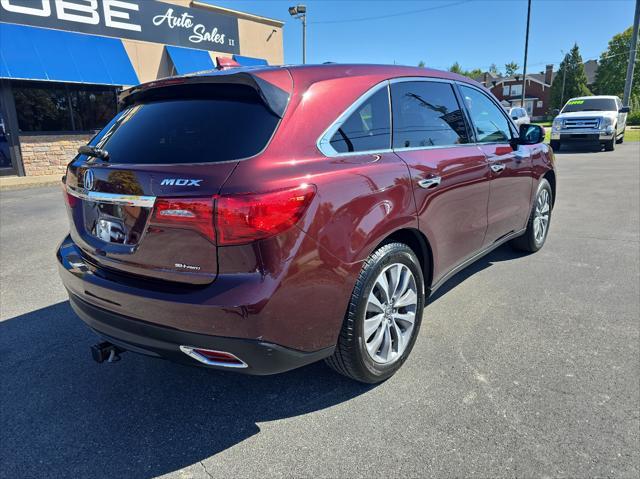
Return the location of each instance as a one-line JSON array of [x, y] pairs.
[[62, 63]]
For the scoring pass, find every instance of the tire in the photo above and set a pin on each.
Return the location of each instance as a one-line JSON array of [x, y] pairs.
[[611, 144], [531, 241], [352, 356], [555, 145]]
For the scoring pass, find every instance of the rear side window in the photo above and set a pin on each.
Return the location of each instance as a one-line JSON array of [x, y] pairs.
[[367, 128], [222, 124], [426, 114], [489, 122]]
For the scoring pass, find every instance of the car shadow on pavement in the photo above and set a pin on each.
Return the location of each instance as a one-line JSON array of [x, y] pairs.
[[579, 148], [62, 415], [502, 253]]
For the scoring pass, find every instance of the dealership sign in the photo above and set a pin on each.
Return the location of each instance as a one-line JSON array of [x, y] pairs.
[[147, 20]]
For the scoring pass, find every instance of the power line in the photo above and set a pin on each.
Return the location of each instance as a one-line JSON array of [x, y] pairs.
[[584, 59], [399, 14]]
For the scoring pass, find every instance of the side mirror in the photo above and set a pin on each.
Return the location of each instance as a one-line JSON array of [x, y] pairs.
[[531, 134], [625, 109], [556, 112]]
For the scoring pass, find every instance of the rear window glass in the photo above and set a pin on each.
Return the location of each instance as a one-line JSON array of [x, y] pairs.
[[222, 125]]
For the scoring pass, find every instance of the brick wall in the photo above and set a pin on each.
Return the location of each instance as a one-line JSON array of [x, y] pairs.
[[49, 154]]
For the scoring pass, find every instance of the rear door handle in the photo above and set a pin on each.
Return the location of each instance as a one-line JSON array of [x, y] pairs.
[[430, 182], [497, 167]]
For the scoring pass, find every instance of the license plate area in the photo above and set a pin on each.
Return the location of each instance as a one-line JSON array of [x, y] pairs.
[[115, 223]]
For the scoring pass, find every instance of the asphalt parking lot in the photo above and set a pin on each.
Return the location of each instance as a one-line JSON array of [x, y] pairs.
[[526, 366]]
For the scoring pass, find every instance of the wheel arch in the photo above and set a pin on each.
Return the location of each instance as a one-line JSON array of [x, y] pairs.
[[419, 243], [550, 176]]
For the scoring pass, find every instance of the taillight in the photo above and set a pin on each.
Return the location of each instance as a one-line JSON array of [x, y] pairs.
[[245, 218], [68, 197], [192, 213]]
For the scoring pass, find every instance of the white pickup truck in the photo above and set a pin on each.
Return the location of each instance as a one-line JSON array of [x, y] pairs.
[[590, 119]]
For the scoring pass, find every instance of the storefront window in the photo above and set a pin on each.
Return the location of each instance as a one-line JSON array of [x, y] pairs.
[[63, 107]]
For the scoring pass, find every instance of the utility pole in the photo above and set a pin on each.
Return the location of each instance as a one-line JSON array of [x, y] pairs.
[[564, 77], [632, 57], [526, 48]]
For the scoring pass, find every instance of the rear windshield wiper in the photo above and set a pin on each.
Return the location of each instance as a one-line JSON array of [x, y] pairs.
[[94, 152]]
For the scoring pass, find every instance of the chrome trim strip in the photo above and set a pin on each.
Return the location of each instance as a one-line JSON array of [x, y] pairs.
[[189, 351], [326, 149], [407, 79], [113, 198]]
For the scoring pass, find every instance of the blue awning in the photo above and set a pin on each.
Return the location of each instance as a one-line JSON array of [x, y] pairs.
[[188, 60], [32, 53], [249, 61]]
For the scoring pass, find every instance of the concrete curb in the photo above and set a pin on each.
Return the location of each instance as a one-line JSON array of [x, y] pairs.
[[19, 182]]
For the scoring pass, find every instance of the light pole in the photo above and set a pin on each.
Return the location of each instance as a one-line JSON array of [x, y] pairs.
[[526, 48], [300, 12]]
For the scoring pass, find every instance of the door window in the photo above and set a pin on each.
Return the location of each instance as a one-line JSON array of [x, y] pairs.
[[367, 128], [490, 124], [426, 114]]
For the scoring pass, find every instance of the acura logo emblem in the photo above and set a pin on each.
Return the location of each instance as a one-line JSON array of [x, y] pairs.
[[88, 180]]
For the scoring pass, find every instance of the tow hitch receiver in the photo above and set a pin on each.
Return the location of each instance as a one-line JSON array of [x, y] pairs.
[[106, 351]]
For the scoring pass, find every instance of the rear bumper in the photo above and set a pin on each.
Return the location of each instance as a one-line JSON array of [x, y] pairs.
[[158, 341], [272, 322]]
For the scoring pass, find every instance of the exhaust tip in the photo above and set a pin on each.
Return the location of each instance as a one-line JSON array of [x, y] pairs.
[[105, 351], [211, 357]]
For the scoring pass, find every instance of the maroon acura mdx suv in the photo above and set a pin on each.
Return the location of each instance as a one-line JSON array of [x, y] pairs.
[[262, 219]]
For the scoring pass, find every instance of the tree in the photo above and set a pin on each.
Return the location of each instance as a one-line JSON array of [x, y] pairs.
[[421, 64], [510, 68], [493, 69], [572, 76], [456, 68], [612, 67]]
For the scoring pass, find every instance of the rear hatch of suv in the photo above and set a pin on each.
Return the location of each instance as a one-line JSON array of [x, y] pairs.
[[141, 198]]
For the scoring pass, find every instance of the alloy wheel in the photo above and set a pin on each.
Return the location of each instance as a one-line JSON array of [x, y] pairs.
[[541, 216], [390, 313]]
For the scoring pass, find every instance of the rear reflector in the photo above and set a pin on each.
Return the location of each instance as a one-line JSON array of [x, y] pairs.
[[213, 358], [193, 213], [245, 218]]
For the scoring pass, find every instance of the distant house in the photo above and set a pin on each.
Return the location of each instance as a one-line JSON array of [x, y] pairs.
[[537, 91], [538, 88]]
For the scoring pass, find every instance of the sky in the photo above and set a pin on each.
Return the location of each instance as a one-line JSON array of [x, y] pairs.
[[475, 33]]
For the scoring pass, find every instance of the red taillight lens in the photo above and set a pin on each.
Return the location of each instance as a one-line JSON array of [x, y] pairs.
[[193, 213], [68, 198], [245, 218]]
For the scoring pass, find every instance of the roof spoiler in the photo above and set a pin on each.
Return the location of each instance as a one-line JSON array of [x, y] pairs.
[[274, 97]]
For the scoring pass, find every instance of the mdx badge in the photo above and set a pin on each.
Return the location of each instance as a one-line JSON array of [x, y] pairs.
[[88, 180], [180, 182]]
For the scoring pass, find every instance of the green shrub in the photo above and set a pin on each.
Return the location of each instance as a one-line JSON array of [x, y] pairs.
[[633, 118]]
